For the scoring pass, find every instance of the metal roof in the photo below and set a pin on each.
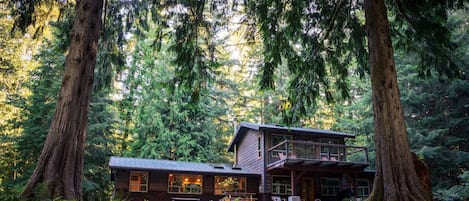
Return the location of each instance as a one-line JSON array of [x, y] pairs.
[[176, 166], [245, 126]]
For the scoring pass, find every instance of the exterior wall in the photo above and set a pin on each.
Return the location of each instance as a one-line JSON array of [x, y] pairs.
[[158, 186], [247, 154], [247, 151], [316, 177]]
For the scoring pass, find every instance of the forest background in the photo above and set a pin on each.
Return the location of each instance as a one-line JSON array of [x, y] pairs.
[[138, 109]]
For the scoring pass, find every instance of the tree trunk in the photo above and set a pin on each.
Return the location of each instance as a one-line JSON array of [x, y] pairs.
[[395, 179], [60, 165]]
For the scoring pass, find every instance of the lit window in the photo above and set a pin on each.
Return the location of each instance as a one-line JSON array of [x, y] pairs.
[[185, 183], [229, 184], [363, 188], [330, 186], [138, 182], [281, 185]]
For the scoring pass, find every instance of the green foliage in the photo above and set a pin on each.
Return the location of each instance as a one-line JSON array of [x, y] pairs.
[[457, 192], [437, 114], [165, 122], [424, 25], [309, 38]]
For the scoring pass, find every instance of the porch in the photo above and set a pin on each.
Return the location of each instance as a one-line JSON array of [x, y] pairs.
[[306, 153]]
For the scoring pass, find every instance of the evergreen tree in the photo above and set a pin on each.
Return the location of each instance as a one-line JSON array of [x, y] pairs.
[[14, 75], [39, 109], [166, 123], [436, 112]]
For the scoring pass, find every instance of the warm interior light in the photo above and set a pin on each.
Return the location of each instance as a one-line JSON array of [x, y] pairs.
[[198, 180], [186, 179]]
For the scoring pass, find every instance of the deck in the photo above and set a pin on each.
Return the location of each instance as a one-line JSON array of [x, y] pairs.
[[305, 153]]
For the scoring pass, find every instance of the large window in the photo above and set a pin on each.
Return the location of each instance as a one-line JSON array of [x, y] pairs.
[[185, 183], [138, 181], [330, 186], [329, 152], [229, 184], [281, 150], [281, 185], [363, 187]]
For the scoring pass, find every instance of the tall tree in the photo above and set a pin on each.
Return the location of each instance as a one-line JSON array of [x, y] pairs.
[[396, 178], [60, 165]]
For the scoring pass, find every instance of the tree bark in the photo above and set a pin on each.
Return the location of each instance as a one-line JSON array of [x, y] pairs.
[[396, 179], [60, 165]]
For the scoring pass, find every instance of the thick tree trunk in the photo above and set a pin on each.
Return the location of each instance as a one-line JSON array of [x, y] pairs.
[[60, 165], [395, 179]]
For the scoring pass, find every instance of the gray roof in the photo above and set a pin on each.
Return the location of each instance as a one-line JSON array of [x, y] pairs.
[[245, 126], [176, 166]]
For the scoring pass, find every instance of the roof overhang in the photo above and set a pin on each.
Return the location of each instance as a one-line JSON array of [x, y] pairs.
[[116, 162], [244, 127]]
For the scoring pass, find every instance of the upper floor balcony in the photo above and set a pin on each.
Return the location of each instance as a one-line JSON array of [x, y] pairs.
[[294, 152]]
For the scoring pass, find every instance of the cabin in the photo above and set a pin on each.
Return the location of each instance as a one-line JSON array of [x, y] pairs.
[[302, 163], [140, 179], [271, 163]]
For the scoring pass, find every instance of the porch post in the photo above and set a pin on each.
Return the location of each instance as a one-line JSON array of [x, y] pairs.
[[355, 188], [293, 182]]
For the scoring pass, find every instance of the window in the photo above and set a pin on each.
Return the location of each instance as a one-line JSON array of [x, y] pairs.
[[229, 184], [277, 139], [138, 181], [330, 186], [185, 183], [281, 185], [259, 146], [363, 187], [329, 152]]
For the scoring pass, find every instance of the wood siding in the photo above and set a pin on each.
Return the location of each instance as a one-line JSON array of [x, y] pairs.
[[158, 186], [247, 151], [247, 154]]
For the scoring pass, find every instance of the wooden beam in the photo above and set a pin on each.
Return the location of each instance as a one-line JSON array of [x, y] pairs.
[[293, 182]]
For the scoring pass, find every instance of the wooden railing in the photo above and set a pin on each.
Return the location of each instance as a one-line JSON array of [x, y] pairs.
[[295, 149], [238, 196]]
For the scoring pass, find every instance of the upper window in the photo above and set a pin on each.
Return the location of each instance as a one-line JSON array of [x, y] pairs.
[[329, 152], [229, 184], [281, 150], [363, 187], [138, 181], [185, 183], [259, 146], [281, 185], [330, 186]]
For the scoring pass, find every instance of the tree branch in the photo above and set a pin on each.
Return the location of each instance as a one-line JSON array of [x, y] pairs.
[[332, 18]]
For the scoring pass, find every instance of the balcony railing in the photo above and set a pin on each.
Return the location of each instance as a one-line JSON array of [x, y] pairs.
[[317, 153]]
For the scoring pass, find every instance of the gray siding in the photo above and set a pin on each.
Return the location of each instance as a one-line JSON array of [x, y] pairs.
[[247, 153]]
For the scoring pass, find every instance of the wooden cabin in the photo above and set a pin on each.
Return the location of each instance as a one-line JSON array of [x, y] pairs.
[[272, 163], [162, 180], [301, 163]]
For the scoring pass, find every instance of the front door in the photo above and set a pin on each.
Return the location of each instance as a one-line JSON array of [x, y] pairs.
[[307, 189]]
